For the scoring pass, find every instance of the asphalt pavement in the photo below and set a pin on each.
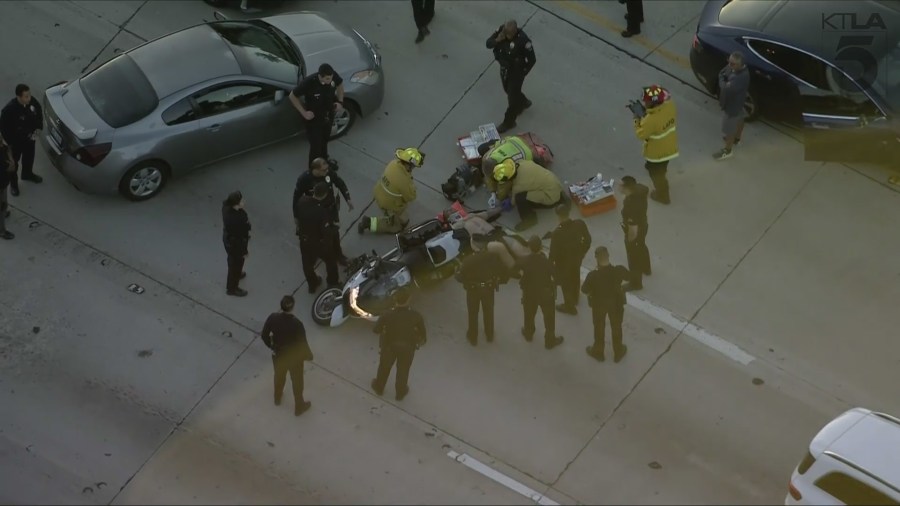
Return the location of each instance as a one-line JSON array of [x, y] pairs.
[[771, 309]]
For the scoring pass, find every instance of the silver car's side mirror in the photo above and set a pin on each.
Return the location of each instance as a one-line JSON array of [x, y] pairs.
[[279, 96]]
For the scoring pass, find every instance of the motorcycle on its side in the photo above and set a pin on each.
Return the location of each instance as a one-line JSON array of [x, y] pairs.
[[424, 256]]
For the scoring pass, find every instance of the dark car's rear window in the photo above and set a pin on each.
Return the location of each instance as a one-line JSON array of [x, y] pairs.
[[746, 14], [119, 92]]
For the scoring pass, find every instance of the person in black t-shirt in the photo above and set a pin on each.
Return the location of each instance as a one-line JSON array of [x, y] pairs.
[[318, 97], [285, 335], [538, 285], [21, 122], [236, 237], [634, 226], [402, 332], [321, 172], [606, 297], [569, 243], [481, 274]]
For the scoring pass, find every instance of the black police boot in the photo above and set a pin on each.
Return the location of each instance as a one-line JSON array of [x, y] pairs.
[[529, 336], [34, 178], [503, 127], [629, 33], [662, 199], [314, 285], [364, 223], [598, 356], [333, 165], [8, 236], [421, 36], [278, 399], [527, 104], [554, 342], [14, 191], [375, 388], [617, 357], [525, 225], [237, 292], [302, 408], [562, 308]]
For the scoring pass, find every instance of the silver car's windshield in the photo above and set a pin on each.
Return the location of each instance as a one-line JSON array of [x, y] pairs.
[[259, 51], [119, 92]]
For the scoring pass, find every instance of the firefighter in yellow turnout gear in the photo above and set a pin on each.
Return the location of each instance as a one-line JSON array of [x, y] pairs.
[[393, 193], [657, 131]]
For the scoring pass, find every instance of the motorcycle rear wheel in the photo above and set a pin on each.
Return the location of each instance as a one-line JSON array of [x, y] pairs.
[[324, 305]]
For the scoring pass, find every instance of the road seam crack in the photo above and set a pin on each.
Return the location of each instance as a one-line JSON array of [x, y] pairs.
[[121, 28]]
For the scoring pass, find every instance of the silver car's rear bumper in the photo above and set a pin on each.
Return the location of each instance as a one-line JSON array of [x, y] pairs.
[[83, 178]]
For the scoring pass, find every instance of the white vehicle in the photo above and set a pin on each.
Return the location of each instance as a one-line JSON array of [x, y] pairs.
[[854, 459]]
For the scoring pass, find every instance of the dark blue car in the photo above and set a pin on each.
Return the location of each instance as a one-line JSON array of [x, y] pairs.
[[829, 67]]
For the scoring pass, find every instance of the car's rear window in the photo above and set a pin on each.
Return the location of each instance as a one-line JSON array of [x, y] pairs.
[[119, 92], [746, 14]]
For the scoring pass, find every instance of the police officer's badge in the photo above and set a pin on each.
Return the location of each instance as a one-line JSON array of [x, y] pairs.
[[528, 45], [512, 45], [32, 108], [328, 179]]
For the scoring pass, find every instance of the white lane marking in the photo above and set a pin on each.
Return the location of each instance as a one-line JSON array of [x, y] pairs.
[[506, 481], [699, 334]]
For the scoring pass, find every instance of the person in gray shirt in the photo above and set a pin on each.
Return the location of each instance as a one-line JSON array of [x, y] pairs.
[[734, 84]]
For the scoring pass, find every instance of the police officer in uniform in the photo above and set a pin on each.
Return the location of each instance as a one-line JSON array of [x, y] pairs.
[[401, 332], [320, 171], [236, 237], [513, 50], [481, 274], [634, 225], [21, 122], [315, 228], [285, 335], [323, 95], [569, 243], [538, 285], [603, 287]]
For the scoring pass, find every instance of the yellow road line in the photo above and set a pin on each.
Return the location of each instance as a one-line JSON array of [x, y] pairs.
[[615, 27]]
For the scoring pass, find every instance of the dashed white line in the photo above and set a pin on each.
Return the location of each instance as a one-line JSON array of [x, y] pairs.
[[699, 334], [506, 481]]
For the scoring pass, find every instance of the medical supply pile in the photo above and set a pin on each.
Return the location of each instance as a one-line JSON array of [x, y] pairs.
[[592, 190]]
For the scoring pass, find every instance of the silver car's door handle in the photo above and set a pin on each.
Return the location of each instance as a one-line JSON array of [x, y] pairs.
[[214, 128]]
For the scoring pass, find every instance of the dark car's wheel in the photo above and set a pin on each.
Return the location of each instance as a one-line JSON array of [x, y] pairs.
[[144, 181], [324, 305], [343, 121], [751, 106]]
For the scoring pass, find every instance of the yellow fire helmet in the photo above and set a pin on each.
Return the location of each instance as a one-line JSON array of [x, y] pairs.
[[412, 156], [505, 170]]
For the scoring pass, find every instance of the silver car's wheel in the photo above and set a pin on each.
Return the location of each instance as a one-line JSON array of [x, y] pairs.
[[343, 121], [324, 305], [143, 181]]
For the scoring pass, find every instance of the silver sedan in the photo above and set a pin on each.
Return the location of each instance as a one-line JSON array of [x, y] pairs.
[[199, 95]]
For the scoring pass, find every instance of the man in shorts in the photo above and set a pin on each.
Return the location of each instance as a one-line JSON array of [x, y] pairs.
[[734, 85]]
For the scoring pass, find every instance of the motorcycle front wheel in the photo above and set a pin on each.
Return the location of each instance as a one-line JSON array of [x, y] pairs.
[[324, 306]]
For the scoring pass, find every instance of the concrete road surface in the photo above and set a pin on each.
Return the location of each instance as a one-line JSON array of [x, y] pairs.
[[772, 305]]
